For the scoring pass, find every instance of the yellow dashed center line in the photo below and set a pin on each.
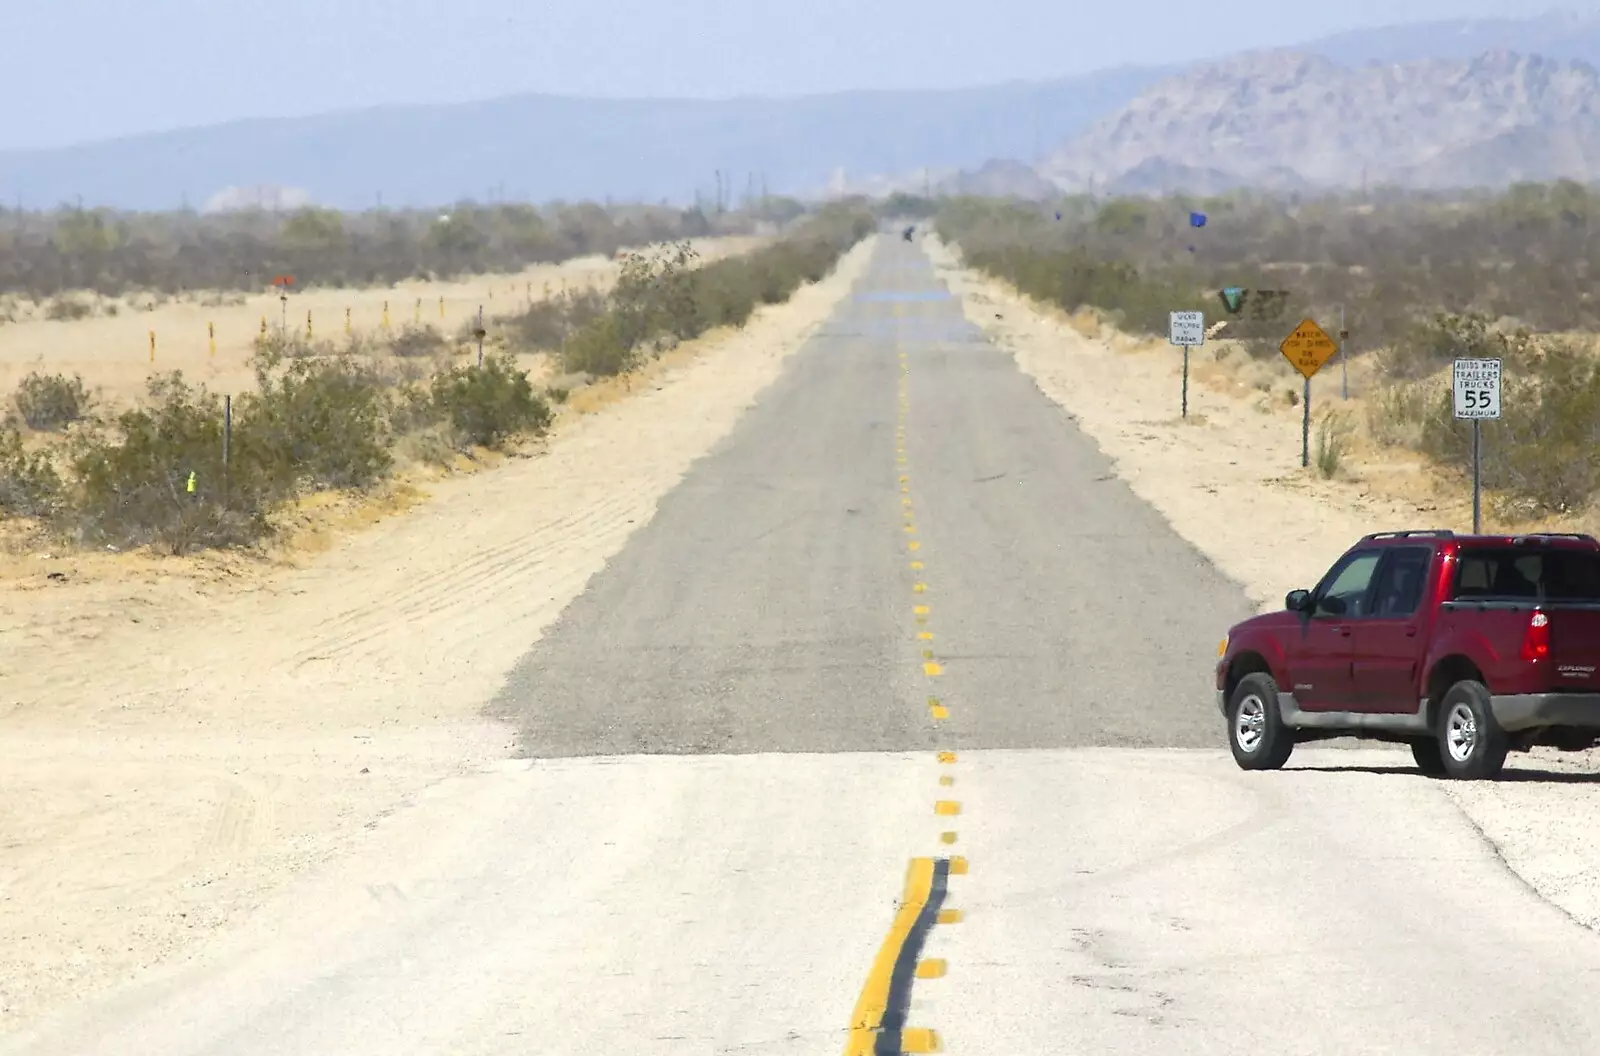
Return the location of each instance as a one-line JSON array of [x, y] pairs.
[[875, 995]]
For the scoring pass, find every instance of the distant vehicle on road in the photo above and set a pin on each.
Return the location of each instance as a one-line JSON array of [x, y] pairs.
[[1465, 647], [912, 230]]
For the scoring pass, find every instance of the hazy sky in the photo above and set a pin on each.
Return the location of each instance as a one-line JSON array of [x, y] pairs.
[[75, 70]]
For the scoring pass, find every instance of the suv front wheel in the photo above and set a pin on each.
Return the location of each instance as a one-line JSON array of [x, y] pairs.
[[1256, 733]]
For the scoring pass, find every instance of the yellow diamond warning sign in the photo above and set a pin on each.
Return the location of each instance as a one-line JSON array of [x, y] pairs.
[[1308, 348]]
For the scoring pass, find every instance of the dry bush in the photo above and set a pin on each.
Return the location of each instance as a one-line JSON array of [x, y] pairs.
[[416, 342], [51, 402]]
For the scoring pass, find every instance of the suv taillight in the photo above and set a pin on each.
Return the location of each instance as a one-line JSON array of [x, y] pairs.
[[1536, 642]]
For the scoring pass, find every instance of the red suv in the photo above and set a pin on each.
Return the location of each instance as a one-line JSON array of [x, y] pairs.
[[1465, 647]]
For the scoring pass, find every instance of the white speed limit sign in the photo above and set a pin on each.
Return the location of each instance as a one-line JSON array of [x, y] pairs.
[[1477, 388]]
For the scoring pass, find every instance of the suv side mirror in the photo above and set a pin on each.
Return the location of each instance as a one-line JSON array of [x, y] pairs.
[[1297, 600]]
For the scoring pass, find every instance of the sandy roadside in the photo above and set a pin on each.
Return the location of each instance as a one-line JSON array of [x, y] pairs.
[[1229, 480], [113, 353], [176, 752]]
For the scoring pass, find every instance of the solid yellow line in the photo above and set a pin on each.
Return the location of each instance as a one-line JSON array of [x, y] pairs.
[[874, 1000]]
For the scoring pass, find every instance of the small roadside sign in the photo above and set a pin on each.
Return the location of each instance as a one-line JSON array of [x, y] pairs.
[[1188, 329], [1308, 348], [1477, 388]]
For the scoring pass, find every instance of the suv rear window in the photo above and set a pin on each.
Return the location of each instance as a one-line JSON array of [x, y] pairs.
[[1521, 574]]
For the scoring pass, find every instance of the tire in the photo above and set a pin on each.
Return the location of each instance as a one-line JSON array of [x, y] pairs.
[[1472, 746], [1256, 733], [1428, 755]]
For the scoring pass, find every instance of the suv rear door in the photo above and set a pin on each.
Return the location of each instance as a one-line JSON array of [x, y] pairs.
[[1386, 643]]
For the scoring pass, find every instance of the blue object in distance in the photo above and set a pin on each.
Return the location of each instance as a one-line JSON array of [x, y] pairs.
[[1197, 219]]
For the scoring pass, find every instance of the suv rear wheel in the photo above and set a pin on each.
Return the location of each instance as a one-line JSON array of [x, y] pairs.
[[1256, 733], [1472, 746]]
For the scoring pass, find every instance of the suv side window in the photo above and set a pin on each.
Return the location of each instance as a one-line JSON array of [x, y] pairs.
[[1349, 581], [1400, 581]]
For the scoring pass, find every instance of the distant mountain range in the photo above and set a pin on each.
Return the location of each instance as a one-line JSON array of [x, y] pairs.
[[1293, 121], [1283, 120]]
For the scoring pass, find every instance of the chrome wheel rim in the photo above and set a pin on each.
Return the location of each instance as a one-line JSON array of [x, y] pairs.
[[1460, 733], [1250, 724]]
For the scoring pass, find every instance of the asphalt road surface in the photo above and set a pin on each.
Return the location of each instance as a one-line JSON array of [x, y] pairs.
[[868, 743]]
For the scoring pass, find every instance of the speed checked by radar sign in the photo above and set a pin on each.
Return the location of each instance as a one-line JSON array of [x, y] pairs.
[[1477, 388]]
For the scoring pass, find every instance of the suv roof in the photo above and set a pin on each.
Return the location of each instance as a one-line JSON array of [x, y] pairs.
[[1577, 540]]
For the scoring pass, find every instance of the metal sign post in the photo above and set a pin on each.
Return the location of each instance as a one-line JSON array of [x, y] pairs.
[[1186, 330], [1476, 388]]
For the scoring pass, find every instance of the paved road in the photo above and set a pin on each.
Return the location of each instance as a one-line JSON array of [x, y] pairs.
[[868, 817], [768, 606]]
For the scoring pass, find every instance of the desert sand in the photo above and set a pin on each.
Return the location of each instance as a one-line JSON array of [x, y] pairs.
[[1228, 479], [184, 737], [112, 353]]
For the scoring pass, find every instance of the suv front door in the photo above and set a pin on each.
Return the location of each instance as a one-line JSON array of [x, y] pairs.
[[1319, 658]]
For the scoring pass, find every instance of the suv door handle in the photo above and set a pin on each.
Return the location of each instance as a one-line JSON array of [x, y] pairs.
[[1344, 632], [1411, 632]]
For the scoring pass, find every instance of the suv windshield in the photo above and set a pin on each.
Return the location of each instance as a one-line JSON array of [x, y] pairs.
[[1555, 575]]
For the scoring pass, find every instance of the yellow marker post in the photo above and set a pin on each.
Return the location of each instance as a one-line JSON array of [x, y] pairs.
[[308, 324], [386, 315], [441, 306], [189, 487], [263, 326], [347, 322], [211, 334], [416, 316], [152, 346]]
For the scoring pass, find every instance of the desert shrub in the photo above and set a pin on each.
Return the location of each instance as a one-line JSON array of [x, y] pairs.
[[131, 484], [546, 325], [68, 308], [52, 401], [666, 298], [277, 344], [29, 484], [1334, 433], [418, 341], [1396, 412], [486, 404], [412, 410], [1430, 346], [316, 424], [599, 348]]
